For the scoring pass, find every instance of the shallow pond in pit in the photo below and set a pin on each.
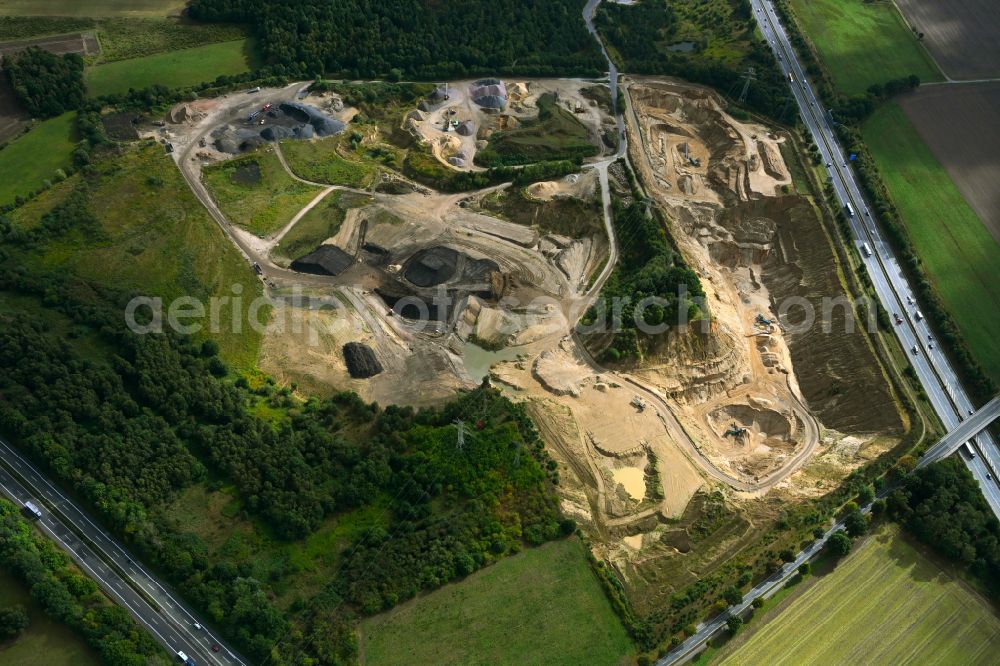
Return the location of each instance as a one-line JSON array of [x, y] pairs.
[[634, 481], [478, 360]]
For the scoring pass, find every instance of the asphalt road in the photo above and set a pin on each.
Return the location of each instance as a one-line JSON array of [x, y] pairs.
[[945, 392], [933, 369], [963, 433], [103, 559]]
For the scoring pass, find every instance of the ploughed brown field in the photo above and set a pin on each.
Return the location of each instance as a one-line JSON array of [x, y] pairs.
[[961, 126], [84, 43], [960, 34]]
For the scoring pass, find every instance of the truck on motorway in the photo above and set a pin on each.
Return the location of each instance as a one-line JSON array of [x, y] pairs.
[[849, 209], [32, 511], [867, 250], [186, 660], [791, 78]]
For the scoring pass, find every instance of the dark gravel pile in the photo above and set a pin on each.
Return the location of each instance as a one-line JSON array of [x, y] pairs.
[[361, 361]]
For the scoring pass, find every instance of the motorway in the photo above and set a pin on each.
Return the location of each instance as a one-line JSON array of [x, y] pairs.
[[98, 555], [963, 433], [768, 587], [936, 375]]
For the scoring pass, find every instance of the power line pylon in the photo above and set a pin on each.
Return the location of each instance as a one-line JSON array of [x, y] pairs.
[[750, 76]]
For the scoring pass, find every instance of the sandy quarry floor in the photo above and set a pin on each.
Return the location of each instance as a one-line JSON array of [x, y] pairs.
[[633, 447], [457, 148], [698, 161]]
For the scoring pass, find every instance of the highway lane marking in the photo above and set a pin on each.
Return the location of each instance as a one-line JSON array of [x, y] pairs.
[[100, 538], [135, 613]]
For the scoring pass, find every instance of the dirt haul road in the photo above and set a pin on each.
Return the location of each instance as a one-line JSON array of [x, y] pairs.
[[388, 330]]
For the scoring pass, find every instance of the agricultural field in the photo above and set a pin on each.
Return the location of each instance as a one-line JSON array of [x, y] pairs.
[[34, 157], [959, 255], [320, 223], [862, 43], [325, 161], [255, 192], [83, 43], [132, 8], [555, 135], [961, 126], [884, 604], [153, 238], [542, 606], [960, 34], [174, 69], [45, 642], [102, 40]]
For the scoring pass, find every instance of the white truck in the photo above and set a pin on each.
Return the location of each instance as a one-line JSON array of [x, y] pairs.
[[32, 511]]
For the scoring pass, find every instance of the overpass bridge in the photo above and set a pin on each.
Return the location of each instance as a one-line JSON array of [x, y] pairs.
[[965, 431]]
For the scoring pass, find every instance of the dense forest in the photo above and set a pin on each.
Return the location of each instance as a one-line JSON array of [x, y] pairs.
[[45, 83], [129, 433], [131, 422], [943, 506], [414, 39], [69, 597]]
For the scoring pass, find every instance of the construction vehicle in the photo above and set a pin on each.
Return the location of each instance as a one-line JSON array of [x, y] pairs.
[[638, 403], [739, 432]]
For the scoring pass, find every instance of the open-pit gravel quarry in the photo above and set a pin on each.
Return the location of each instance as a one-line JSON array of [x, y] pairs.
[[448, 289]]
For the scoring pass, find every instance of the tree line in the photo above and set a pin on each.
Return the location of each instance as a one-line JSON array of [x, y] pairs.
[[648, 267], [68, 596], [130, 428], [358, 39], [46, 84], [638, 34], [850, 112]]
